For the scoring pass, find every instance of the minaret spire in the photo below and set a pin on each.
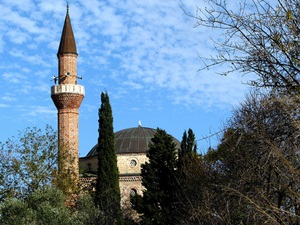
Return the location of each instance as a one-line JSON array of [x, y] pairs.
[[67, 96], [67, 41], [67, 49]]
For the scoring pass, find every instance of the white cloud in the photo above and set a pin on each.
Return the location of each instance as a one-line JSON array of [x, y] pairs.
[[14, 78], [41, 111], [89, 107], [58, 8], [134, 49], [8, 98], [24, 89], [17, 36], [133, 85], [16, 19], [36, 111], [33, 59], [4, 105], [162, 53], [24, 5], [1, 43], [42, 86], [144, 53]]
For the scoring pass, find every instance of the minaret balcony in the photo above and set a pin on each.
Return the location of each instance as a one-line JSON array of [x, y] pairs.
[[67, 88]]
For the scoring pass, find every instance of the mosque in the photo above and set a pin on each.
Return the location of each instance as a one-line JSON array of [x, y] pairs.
[[131, 143]]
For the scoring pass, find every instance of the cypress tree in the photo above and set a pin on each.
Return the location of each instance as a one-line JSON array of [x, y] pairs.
[[190, 180], [191, 142], [107, 196], [188, 149], [182, 151]]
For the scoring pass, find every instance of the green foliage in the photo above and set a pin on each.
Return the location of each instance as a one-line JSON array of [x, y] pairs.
[[87, 212], [257, 162], [159, 203], [15, 211], [27, 162], [48, 206], [41, 207], [256, 165], [188, 149], [251, 178], [107, 196], [190, 178]]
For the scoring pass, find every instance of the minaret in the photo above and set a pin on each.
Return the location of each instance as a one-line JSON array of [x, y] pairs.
[[67, 97]]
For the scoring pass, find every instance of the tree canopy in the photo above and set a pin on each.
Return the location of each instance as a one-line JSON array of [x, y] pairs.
[[257, 161], [158, 203], [28, 162]]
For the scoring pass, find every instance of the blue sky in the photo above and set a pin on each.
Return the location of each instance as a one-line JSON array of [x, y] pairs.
[[145, 54]]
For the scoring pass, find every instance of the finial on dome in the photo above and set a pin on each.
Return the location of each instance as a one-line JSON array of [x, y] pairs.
[[140, 123]]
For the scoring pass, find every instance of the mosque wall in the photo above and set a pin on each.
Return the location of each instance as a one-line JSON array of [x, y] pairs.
[[129, 166]]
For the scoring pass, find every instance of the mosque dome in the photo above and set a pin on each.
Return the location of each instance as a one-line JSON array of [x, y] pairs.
[[132, 140]]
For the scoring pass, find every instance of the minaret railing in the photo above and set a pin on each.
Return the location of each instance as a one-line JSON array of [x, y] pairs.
[[67, 88]]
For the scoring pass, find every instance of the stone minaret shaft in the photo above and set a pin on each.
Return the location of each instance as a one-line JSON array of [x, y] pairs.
[[67, 97]]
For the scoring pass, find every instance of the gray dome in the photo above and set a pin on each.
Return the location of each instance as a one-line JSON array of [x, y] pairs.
[[131, 140]]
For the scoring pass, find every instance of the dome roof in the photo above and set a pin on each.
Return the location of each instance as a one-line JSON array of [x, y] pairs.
[[131, 140]]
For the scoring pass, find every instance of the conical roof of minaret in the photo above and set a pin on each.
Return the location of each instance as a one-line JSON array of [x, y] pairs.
[[67, 40]]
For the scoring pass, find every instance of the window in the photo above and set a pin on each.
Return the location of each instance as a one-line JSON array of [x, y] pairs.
[[133, 163], [133, 192]]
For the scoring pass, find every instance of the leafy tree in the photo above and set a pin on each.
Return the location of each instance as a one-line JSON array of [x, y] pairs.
[[48, 206], [27, 162], [158, 204], [15, 211], [257, 36], [86, 212], [257, 161], [41, 207], [229, 162], [107, 196]]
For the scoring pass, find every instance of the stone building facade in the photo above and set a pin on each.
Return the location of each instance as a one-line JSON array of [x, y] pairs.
[[131, 148]]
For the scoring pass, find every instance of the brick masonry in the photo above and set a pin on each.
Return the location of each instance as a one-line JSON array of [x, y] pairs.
[[67, 99], [67, 64]]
